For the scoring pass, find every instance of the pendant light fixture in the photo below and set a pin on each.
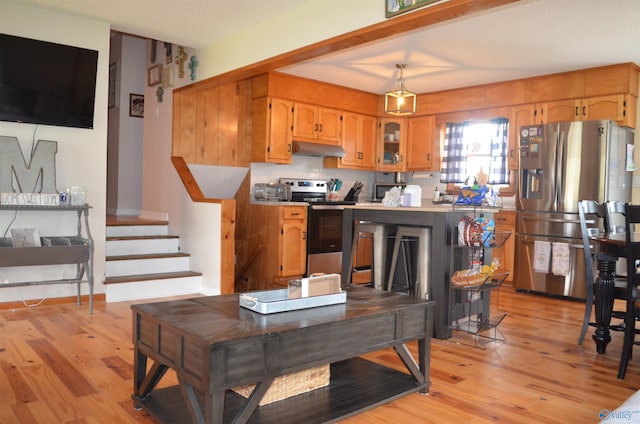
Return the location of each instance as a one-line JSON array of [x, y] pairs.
[[400, 102]]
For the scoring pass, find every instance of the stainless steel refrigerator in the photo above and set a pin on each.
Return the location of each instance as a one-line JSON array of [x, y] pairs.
[[560, 164]]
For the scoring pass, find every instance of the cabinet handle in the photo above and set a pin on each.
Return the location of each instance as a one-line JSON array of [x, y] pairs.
[[428, 156], [512, 153], [315, 127], [577, 109], [320, 127], [584, 111], [289, 147], [295, 213], [304, 235]]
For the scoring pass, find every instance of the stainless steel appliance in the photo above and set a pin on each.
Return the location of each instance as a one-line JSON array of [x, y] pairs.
[[324, 224], [561, 163], [380, 189], [271, 192]]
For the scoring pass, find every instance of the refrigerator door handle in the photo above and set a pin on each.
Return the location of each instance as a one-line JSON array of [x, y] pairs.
[[559, 220], [560, 173]]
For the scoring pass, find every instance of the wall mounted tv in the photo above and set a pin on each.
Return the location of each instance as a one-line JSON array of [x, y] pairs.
[[46, 83]]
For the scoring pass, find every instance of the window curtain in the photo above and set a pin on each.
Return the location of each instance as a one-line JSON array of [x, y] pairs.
[[454, 156], [498, 170]]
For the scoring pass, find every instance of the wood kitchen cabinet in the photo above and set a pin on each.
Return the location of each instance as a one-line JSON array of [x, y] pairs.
[[620, 108], [358, 141], [205, 129], [520, 115], [505, 222], [317, 124], [277, 245], [271, 131], [392, 145], [420, 143]]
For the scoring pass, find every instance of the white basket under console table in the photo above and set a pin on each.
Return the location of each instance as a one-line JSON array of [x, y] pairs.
[[80, 254]]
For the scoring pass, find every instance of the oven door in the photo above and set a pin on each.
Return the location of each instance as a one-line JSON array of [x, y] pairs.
[[324, 239]]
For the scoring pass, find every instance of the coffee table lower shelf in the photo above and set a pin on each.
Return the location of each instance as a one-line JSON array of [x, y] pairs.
[[356, 385]]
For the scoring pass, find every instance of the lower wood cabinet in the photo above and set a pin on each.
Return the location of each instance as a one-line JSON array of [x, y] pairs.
[[277, 245], [505, 221]]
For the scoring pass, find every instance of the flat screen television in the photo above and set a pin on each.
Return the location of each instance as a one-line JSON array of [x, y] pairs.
[[46, 83]]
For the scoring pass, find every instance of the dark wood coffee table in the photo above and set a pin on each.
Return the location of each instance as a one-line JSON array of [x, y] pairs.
[[214, 345]]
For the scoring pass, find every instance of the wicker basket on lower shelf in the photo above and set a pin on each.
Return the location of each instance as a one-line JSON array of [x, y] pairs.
[[291, 384]]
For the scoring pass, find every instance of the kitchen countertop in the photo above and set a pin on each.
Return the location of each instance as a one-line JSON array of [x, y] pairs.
[[428, 206]]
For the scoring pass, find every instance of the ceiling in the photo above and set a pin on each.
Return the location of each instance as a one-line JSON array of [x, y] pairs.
[[527, 38]]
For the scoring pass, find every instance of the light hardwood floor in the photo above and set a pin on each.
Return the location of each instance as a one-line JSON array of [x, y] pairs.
[[61, 365]]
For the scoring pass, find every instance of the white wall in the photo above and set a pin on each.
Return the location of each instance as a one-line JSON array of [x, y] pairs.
[[81, 157]]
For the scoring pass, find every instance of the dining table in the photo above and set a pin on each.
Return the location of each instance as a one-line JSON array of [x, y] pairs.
[[611, 247]]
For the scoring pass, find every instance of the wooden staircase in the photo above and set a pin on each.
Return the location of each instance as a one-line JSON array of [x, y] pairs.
[[144, 261]]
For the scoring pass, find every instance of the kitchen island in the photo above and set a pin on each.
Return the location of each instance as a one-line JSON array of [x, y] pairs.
[[441, 220]]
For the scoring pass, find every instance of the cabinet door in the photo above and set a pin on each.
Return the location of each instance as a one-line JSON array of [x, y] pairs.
[[520, 115], [293, 241], [305, 121], [367, 142], [350, 140], [329, 125], [420, 144], [279, 132], [391, 145], [612, 107], [562, 110], [505, 221]]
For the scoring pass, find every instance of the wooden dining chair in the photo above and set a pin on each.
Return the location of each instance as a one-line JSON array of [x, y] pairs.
[[593, 221], [632, 312]]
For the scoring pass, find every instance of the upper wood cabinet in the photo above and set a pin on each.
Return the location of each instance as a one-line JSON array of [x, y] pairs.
[[316, 123], [358, 142], [271, 132], [392, 145], [205, 126], [420, 143], [520, 115], [620, 108]]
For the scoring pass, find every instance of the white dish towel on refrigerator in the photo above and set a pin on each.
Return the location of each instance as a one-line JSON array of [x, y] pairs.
[[541, 256], [560, 257]]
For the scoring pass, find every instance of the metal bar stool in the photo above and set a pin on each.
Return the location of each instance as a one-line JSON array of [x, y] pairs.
[[420, 288], [380, 233]]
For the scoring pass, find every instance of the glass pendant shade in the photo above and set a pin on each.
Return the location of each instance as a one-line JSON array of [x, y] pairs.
[[399, 101]]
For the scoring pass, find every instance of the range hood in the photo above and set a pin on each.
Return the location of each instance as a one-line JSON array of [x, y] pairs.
[[317, 149]]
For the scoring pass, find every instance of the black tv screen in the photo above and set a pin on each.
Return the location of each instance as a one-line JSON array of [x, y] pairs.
[[46, 83]]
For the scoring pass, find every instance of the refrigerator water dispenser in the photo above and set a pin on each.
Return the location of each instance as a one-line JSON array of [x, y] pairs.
[[532, 183]]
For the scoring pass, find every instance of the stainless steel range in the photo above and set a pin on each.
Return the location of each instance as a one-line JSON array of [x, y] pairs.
[[324, 224]]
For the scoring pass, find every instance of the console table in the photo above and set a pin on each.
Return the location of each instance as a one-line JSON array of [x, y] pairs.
[[213, 345], [79, 254]]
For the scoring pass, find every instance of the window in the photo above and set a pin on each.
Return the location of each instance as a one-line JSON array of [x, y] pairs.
[[476, 147]]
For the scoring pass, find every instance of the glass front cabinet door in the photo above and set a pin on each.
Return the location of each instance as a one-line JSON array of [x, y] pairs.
[[392, 145]]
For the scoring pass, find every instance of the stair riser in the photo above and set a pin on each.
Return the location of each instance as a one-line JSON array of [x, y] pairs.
[[146, 266], [142, 246], [137, 230], [150, 289]]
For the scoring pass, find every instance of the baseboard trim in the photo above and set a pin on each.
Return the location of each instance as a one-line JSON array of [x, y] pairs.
[[18, 304]]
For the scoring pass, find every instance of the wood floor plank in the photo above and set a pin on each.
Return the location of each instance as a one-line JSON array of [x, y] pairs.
[[62, 367], [539, 375]]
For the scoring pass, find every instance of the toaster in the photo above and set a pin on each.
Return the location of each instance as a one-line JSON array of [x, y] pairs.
[[272, 192]]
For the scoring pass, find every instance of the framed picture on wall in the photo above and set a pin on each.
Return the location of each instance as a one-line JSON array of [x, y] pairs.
[[136, 105], [154, 75], [396, 7]]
